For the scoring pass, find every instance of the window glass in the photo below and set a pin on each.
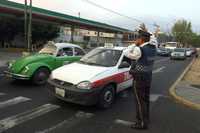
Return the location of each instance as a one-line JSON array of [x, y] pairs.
[[102, 57], [79, 52], [65, 52]]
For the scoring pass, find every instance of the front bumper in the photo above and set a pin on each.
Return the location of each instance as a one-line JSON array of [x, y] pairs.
[[178, 57], [74, 95], [16, 76]]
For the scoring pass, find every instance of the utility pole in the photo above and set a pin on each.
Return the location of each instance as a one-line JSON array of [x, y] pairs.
[[25, 23], [28, 24], [30, 28]]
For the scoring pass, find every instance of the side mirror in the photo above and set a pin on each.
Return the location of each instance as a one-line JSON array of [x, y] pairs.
[[124, 64]]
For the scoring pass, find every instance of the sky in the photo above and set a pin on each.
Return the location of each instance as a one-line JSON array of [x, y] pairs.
[[161, 12]]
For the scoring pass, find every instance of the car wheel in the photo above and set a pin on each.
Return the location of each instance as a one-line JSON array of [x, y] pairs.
[[40, 76], [107, 97]]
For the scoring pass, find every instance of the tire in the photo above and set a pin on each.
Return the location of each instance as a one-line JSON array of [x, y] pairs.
[[107, 97], [40, 76]]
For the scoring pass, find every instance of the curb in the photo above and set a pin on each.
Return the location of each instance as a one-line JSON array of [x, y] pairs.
[[182, 100]]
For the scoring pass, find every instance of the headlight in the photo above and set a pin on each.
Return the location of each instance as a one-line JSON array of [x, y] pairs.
[[10, 65], [84, 85]]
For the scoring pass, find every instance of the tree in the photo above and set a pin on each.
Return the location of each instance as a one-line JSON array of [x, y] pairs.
[[163, 37], [182, 31], [9, 28], [41, 32], [195, 40], [44, 32]]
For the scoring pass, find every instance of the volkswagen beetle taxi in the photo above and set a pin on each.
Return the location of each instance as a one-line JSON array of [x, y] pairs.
[[95, 79], [37, 67]]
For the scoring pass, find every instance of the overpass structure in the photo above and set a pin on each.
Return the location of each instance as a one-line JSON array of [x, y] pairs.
[[12, 9]]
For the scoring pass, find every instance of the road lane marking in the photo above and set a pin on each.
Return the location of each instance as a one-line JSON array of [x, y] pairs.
[[158, 70], [123, 122], [15, 120], [77, 118], [13, 101], [158, 61], [2, 94], [154, 97]]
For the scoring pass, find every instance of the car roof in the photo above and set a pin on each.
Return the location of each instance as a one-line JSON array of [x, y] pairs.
[[63, 45], [114, 48]]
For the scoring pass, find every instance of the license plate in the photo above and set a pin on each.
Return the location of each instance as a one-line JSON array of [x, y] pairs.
[[60, 92]]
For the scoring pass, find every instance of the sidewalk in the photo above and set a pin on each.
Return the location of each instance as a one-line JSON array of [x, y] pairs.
[[184, 91], [188, 92], [8, 56]]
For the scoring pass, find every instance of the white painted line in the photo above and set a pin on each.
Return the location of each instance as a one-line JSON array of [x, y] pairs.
[[13, 101], [154, 97], [123, 122], [25, 116], [165, 59], [77, 118], [158, 70], [2, 94]]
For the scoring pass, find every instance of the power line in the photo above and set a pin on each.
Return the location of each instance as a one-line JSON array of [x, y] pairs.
[[114, 12]]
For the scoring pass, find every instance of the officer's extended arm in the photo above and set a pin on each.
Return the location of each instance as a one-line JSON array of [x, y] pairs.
[[133, 52]]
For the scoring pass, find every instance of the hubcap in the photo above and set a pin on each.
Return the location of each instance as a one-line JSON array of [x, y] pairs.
[[108, 96]]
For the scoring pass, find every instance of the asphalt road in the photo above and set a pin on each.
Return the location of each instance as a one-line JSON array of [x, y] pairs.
[[25, 108]]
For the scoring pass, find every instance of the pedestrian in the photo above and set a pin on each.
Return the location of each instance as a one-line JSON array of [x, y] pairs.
[[142, 56]]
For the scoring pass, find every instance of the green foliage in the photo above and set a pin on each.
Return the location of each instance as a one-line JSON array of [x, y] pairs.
[[195, 40], [182, 31], [41, 32], [8, 29], [44, 32], [163, 37]]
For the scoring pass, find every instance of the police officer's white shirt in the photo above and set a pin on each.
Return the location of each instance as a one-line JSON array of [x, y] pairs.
[[133, 52]]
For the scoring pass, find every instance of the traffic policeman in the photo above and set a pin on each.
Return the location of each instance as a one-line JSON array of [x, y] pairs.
[[142, 55]]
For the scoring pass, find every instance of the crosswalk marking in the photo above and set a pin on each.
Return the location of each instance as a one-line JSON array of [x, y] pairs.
[[123, 122], [25, 116], [158, 70], [13, 101], [1, 94], [165, 59], [79, 116], [154, 97]]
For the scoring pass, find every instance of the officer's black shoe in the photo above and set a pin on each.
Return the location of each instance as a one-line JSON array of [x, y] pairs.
[[139, 125]]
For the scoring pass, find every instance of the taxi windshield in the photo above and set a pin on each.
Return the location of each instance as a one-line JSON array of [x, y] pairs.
[[102, 57], [48, 49]]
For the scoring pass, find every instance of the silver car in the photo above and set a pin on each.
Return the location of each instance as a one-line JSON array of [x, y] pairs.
[[179, 53]]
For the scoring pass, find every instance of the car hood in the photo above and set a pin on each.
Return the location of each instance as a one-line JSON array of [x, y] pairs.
[[178, 52], [20, 63], [75, 73]]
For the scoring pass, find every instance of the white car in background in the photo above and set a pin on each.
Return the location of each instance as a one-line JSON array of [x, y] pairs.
[[95, 79], [189, 52], [178, 53]]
